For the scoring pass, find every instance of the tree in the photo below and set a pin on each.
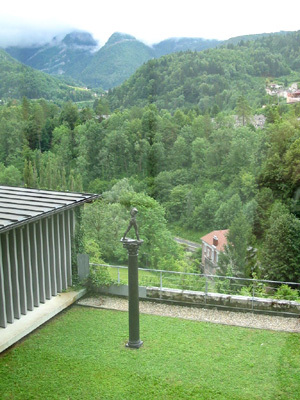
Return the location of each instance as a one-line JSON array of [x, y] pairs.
[[141, 153], [63, 145], [30, 177], [25, 108], [11, 140], [101, 107], [69, 114], [292, 163], [248, 185], [228, 211], [204, 213], [235, 255], [180, 154], [243, 110], [156, 159], [118, 156], [105, 222], [10, 176], [280, 256], [88, 139], [158, 241], [176, 206], [149, 123]]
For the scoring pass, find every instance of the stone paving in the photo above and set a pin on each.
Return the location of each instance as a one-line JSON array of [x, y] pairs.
[[249, 320]]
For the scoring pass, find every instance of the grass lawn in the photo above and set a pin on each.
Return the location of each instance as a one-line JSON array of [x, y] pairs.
[[143, 275], [152, 278], [188, 234], [81, 355]]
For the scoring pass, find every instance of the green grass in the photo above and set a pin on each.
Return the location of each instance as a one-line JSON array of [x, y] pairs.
[[146, 278], [188, 234], [149, 278], [81, 355]]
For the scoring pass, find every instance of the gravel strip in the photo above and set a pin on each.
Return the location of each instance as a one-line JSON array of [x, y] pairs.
[[248, 320]]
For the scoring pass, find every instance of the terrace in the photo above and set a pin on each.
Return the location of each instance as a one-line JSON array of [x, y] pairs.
[[80, 354]]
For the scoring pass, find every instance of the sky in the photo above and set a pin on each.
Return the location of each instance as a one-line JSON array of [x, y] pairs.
[[36, 21]]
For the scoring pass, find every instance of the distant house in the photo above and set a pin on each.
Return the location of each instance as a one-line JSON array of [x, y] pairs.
[[293, 97], [212, 245], [36, 233]]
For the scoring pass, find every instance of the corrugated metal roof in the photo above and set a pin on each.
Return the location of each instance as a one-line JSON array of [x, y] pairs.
[[19, 206]]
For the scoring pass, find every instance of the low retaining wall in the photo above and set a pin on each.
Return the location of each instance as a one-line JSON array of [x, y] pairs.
[[233, 302], [225, 300], [121, 290]]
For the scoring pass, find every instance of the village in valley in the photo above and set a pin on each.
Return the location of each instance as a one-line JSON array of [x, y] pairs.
[[291, 94]]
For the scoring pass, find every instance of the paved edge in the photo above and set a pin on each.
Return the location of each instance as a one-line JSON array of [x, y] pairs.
[[212, 316], [34, 319]]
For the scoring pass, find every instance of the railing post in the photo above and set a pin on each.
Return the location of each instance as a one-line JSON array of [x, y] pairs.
[[206, 288], [253, 294], [161, 284], [118, 275]]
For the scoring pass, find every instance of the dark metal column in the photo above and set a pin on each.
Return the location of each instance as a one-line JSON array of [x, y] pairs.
[[132, 246]]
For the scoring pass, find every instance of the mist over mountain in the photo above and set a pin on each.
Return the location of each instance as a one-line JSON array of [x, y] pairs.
[[77, 54], [116, 61], [66, 55]]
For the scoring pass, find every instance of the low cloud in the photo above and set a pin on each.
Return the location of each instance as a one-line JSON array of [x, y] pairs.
[[23, 34]]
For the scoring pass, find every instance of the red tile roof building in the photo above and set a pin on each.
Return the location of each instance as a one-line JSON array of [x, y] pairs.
[[293, 97], [212, 244]]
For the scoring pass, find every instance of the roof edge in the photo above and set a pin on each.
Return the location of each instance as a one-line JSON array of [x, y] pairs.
[[48, 214]]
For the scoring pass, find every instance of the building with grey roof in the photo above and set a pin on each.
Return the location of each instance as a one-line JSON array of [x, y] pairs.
[[36, 232]]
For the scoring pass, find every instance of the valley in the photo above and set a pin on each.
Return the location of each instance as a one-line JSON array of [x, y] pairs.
[[192, 139]]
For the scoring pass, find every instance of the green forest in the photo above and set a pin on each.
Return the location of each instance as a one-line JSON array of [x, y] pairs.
[[176, 140]]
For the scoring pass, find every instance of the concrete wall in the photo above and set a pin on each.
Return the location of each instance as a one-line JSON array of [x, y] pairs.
[[224, 300], [233, 302], [122, 290]]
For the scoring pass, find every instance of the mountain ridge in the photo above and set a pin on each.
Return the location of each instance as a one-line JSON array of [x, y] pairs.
[[18, 80], [77, 55], [213, 80]]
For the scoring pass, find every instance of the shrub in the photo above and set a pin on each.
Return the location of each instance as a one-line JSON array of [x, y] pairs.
[[99, 276], [285, 292]]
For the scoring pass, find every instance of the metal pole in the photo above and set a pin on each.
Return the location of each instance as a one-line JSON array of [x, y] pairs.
[[206, 288], [132, 246], [253, 294], [161, 284]]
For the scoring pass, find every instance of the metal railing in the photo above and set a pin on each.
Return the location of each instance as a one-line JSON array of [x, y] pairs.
[[229, 285]]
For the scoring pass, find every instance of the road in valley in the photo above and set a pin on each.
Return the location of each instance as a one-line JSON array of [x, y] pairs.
[[192, 246]]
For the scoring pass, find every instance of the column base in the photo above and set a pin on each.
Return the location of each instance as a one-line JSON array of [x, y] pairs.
[[134, 345]]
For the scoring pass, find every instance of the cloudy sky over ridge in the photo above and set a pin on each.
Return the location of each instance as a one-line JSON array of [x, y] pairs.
[[151, 21]]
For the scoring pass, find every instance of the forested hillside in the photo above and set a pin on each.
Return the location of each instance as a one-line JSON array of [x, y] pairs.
[[67, 56], [212, 80], [169, 151], [174, 45], [77, 56], [116, 61], [18, 80]]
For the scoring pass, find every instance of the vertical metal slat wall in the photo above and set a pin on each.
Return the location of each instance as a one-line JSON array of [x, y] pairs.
[[36, 229], [35, 264]]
